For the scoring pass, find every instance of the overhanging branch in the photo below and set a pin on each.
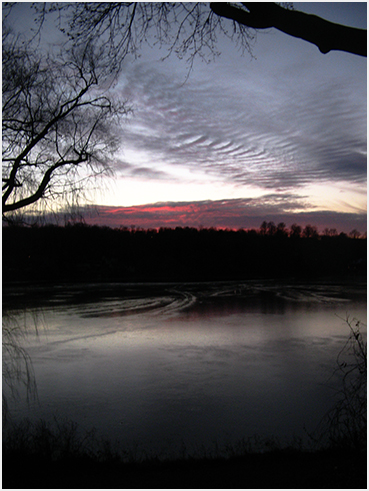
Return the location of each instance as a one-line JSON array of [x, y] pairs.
[[327, 36]]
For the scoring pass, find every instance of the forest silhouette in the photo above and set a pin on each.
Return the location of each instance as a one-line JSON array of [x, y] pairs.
[[80, 252]]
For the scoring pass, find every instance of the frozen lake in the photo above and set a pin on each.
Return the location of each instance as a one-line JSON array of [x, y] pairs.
[[162, 367]]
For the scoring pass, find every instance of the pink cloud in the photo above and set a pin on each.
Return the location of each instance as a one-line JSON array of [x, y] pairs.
[[234, 214]]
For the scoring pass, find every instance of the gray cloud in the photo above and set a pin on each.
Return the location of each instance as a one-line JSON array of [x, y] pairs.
[[148, 173], [264, 133], [131, 170]]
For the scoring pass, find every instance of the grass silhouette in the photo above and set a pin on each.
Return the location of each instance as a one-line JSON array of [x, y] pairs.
[[345, 424], [60, 456]]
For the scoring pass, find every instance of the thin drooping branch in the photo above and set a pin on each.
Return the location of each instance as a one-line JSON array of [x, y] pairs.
[[188, 30], [327, 36], [58, 125], [64, 110]]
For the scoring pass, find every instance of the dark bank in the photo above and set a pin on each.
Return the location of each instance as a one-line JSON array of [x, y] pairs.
[[278, 469], [91, 253]]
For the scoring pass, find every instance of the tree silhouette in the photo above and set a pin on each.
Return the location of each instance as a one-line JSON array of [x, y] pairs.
[[263, 228], [295, 230], [58, 127], [310, 231], [355, 234], [327, 36], [89, 253], [330, 232], [193, 29], [188, 30], [271, 228]]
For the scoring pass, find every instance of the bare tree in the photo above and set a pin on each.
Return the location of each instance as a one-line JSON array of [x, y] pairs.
[[281, 229], [16, 362], [188, 30], [330, 232], [345, 424], [192, 29], [354, 234], [271, 228], [310, 231], [295, 230], [58, 126]]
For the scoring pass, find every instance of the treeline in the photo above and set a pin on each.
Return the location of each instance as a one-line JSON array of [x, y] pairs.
[[81, 252]]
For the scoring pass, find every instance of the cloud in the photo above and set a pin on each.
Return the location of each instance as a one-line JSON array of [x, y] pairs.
[[148, 173], [235, 214], [130, 170], [266, 134]]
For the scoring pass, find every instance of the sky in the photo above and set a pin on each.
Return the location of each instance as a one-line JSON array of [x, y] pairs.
[[279, 136]]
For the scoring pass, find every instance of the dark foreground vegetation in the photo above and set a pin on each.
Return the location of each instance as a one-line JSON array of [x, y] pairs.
[[91, 253], [48, 458]]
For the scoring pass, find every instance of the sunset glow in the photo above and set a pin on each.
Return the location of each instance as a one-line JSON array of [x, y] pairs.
[[233, 214], [278, 136]]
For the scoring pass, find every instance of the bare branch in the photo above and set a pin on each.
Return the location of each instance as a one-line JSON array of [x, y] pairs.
[[43, 184], [326, 35], [55, 120]]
